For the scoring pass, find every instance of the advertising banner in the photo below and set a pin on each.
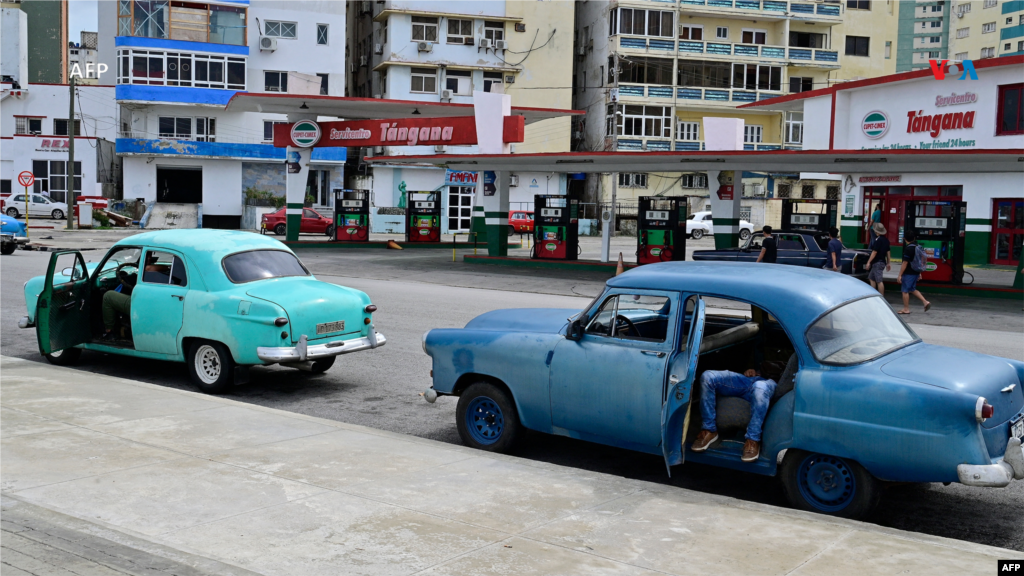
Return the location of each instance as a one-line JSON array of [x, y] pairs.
[[457, 131]]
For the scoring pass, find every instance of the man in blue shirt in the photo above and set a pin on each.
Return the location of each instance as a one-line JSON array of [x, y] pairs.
[[835, 250]]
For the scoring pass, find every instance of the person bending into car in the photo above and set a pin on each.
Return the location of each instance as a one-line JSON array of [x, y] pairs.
[[119, 300], [751, 387]]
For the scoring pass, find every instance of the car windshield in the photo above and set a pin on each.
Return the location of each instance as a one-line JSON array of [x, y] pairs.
[[858, 331], [262, 264]]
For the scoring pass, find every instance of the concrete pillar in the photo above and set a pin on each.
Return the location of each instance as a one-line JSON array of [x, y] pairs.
[[725, 211], [296, 174], [492, 190]]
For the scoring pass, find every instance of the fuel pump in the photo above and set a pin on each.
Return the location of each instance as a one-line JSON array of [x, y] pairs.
[[809, 215], [556, 227], [661, 229], [351, 216], [423, 217], [939, 226]]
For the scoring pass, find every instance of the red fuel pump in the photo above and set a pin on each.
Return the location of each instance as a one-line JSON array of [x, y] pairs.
[[423, 217], [352, 216]]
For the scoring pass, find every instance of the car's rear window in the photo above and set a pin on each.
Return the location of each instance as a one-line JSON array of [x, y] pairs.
[[262, 264]]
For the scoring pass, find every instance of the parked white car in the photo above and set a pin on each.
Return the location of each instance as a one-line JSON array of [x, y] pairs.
[[699, 224], [38, 205]]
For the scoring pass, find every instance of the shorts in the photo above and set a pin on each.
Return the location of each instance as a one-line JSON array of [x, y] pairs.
[[909, 283], [875, 274]]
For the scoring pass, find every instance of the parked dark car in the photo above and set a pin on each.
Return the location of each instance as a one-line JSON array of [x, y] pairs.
[[794, 248]]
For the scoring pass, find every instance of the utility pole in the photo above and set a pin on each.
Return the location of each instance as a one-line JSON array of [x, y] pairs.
[[608, 229], [70, 171]]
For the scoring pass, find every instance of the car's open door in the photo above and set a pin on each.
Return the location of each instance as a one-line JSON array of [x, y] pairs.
[[62, 310], [675, 413]]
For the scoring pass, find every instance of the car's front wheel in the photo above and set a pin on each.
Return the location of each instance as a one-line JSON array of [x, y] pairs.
[[329, 231], [828, 484], [744, 234], [487, 419], [57, 214], [280, 229], [12, 212], [65, 357], [210, 366], [697, 233], [8, 248]]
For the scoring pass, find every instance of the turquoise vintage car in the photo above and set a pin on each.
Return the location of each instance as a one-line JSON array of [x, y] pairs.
[[219, 300]]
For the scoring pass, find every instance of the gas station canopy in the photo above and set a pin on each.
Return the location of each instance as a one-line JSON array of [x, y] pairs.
[[790, 161], [371, 108]]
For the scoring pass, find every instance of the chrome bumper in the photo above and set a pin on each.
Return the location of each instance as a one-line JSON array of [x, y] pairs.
[[303, 352], [995, 475], [14, 239]]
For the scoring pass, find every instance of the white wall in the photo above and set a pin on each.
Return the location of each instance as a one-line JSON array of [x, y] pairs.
[[479, 8], [14, 45], [302, 54], [817, 120], [222, 181]]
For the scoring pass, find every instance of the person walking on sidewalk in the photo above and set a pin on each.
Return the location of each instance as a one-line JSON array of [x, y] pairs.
[[835, 250], [879, 262], [914, 259], [751, 387], [769, 248], [876, 219]]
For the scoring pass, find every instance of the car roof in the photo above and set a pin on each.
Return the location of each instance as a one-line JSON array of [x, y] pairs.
[[205, 245], [796, 295]]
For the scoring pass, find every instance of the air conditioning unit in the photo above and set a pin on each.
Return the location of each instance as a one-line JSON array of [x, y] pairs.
[[425, 46], [510, 79], [447, 94], [378, 49], [365, 7], [363, 60], [758, 190], [470, 41], [500, 45], [268, 44], [581, 50], [485, 43], [513, 180], [439, 149]]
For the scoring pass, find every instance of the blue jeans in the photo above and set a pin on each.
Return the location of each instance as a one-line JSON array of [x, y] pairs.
[[754, 389]]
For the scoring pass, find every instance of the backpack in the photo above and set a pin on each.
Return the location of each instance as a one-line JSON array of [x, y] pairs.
[[920, 259]]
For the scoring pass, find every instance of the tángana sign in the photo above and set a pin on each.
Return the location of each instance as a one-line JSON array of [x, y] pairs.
[[458, 131]]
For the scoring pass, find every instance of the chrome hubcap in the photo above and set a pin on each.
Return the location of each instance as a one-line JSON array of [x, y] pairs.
[[208, 364]]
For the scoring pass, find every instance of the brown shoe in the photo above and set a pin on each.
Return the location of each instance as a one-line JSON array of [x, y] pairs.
[[751, 451], [704, 439]]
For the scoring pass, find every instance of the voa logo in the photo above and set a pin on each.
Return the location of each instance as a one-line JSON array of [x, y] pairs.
[[965, 69]]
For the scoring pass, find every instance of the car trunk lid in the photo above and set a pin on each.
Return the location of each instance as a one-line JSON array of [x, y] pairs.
[[310, 303]]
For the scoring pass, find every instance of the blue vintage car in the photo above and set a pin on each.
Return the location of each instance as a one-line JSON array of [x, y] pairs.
[[861, 400], [12, 234], [219, 300], [795, 248]]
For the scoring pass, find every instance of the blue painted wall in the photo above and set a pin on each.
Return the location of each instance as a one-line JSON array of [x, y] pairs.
[[175, 94], [224, 150]]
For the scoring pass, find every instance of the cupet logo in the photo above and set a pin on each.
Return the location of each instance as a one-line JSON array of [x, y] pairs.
[[305, 133], [940, 70], [875, 124]]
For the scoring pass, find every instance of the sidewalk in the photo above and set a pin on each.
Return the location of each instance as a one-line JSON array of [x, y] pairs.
[[280, 493]]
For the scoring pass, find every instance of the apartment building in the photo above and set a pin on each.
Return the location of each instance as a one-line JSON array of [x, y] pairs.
[[83, 57], [986, 29], [923, 34], [48, 34], [177, 65], [432, 51]]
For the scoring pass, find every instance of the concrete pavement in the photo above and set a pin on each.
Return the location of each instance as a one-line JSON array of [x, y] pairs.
[[281, 493]]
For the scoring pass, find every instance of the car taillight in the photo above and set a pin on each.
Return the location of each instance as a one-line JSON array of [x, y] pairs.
[[983, 410]]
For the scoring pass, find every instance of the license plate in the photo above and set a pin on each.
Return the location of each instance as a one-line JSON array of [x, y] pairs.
[[1017, 429], [328, 327]]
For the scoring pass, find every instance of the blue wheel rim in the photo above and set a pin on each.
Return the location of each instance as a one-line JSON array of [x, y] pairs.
[[484, 420], [826, 482]]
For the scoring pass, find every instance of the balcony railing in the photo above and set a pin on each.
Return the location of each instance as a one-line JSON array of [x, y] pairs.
[[664, 145], [737, 95], [781, 7], [815, 55]]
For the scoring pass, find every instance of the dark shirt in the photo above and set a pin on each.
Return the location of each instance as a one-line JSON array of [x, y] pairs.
[[834, 247], [770, 250], [909, 251], [881, 246]]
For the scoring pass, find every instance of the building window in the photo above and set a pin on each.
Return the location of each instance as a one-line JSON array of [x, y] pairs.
[[1020, 46], [832, 193], [794, 128], [935, 39], [800, 84], [494, 31], [753, 133], [754, 36], [275, 81], [424, 80], [888, 49], [182, 69], [1009, 20], [722, 32], [195, 22], [961, 56], [858, 4], [694, 181], [933, 55], [424, 28], [57, 179], [175, 128], [691, 32], [641, 70], [989, 4], [632, 180], [492, 81], [1010, 120], [806, 40], [277, 29], [857, 45], [643, 120], [459, 81], [688, 131], [60, 127], [268, 129], [936, 8], [704, 74], [784, 191], [324, 84], [756, 77], [988, 28], [1006, 47], [460, 31], [989, 52], [963, 32], [206, 129], [322, 34], [935, 24], [31, 125], [807, 191], [637, 22]]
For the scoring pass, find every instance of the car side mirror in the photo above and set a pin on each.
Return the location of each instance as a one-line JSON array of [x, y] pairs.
[[66, 272], [575, 330]]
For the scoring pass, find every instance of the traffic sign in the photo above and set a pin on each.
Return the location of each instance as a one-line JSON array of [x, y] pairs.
[[26, 178]]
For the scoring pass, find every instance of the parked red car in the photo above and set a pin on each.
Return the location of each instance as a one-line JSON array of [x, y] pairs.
[[312, 222], [520, 221]]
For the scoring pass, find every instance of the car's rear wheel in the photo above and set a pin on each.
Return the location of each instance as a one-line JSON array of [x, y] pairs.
[[210, 366], [12, 212], [57, 214], [744, 234], [511, 230], [487, 419], [330, 231], [697, 234], [280, 229], [65, 357], [828, 484], [323, 365]]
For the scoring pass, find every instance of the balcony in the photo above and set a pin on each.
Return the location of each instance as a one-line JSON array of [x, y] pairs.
[[769, 9], [631, 144], [694, 146], [783, 54]]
